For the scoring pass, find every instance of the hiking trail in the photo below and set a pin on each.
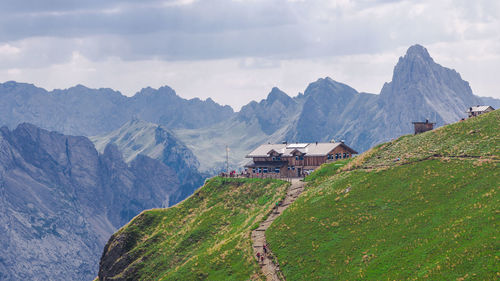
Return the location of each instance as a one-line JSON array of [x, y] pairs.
[[270, 266]]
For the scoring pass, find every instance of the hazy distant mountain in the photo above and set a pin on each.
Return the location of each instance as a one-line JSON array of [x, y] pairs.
[[495, 103], [138, 137], [165, 107], [60, 200], [83, 111], [421, 88], [329, 108], [271, 113]]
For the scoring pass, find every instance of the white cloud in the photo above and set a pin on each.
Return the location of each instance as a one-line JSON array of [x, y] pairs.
[[177, 3], [227, 81], [235, 51], [8, 50], [13, 72]]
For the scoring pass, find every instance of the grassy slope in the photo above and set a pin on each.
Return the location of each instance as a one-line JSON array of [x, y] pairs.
[[205, 237], [425, 216]]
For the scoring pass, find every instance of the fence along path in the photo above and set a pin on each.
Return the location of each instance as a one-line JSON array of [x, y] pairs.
[[270, 266]]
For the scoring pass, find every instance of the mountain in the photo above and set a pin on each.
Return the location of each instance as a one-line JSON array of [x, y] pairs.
[[424, 89], [271, 113], [60, 200], [138, 137], [331, 111], [242, 132], [165, 107], [421, 206], [324, 102], [495, 103], [83, 111], [420, 89]]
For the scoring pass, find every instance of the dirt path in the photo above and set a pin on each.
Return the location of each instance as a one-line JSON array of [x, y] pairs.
[[270, 266]]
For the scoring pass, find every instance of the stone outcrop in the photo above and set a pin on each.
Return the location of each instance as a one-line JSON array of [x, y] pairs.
[[60, 200]]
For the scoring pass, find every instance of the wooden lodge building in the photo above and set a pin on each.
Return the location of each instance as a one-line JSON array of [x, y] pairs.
[[295, 159], [478, 110]]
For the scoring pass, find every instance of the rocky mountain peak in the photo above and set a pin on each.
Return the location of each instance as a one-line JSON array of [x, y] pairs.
[[415, 66], [151, 92], [328, 85], [79, 87], [424, 89], [25, 128], [417, 52], [277, 95]]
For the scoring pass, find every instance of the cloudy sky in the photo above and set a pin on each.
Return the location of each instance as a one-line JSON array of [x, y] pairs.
[[236, 51]]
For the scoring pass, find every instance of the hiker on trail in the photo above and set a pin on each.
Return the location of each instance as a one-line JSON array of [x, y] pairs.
[[265, 249], [262, 259], [258, 256]]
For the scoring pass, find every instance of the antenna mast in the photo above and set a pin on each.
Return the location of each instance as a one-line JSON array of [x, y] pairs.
[[227, 159]]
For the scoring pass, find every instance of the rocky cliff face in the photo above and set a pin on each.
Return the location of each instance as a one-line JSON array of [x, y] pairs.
[[421, 88], [138, 137], [325, 102], [495, 103], [271, 113], [60, 200]]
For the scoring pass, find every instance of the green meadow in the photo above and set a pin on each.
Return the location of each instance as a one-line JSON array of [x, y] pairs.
[[207, 236], [431, 214]]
